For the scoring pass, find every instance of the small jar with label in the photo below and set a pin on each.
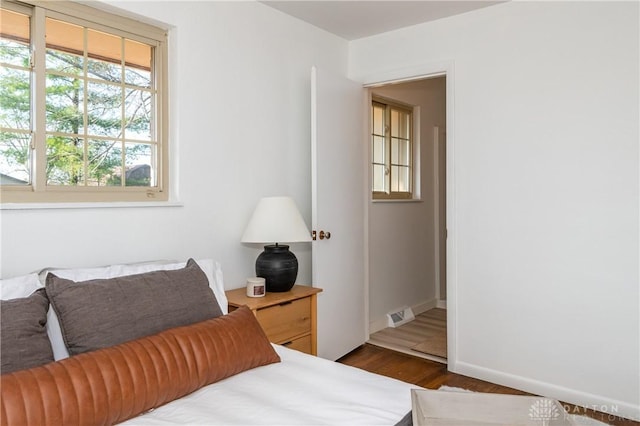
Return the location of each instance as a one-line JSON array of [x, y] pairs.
[[256, 287]]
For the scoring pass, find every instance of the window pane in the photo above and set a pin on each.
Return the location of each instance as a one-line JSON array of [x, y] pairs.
[[15, 38], [105, 56], [400, 152], [15, 98], [378, 178], [104, 163], [138, 114], [104, 103], [405, 124], [394, 150], [14, 158], [102, 70], [137, 77], [395, 122], [394, 179], [63, 62], [14, 53], [403, 152], [137, 56], [65, 43], [378, 120], [378, 149], [139, 165], [400, 179], [399, 124], [65, 103], [65, 162], [403, 179]]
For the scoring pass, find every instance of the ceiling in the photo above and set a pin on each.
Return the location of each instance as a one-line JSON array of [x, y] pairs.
[[362, 18]]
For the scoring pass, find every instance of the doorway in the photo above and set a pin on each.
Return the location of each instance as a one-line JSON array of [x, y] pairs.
[[407, 238]]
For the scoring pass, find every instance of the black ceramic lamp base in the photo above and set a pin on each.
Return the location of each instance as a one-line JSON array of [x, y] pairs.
[[278, 266]]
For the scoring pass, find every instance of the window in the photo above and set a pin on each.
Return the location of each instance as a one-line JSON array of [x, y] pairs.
[[392, 150], [82, 106]]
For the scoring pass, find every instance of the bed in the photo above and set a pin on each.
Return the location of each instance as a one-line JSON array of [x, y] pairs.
[[250, 381], [299, 390]]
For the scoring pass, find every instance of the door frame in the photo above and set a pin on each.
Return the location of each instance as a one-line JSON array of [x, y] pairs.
[[419, 72]]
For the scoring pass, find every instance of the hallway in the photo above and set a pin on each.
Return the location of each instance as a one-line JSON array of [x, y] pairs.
[[424, 337]]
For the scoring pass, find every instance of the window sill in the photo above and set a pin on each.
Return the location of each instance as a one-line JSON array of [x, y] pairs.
[[70, 206], [397, 200]]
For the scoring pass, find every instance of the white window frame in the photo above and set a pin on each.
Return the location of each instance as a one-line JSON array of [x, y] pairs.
[[38, 191], [390, 194]]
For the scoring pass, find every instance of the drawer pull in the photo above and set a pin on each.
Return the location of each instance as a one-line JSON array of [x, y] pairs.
[[287, 343], [285, 303]]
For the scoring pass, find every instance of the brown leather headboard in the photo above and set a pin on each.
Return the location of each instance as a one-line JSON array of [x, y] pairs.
[[111, 385]]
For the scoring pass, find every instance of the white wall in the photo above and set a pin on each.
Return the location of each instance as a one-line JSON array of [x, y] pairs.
[[545, 229], [401, 233], [240, 120], [546, 174]]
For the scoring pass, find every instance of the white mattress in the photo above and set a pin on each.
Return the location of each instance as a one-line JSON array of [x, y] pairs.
[[300, 390]]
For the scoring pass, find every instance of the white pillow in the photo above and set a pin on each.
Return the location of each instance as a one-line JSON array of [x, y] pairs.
[[211, 269], [23, 286]]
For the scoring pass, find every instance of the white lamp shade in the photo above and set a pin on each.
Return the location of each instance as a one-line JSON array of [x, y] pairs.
[[276, 220]]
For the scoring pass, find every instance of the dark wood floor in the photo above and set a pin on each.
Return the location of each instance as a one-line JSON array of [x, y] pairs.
[[432, 375]]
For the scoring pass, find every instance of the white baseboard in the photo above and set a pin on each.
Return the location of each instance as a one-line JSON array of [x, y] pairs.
[[424, 306], [442, 304], [377, 325], [597, 402], [381, 323]]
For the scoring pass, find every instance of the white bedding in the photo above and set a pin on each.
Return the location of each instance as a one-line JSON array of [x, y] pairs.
[[300, 390]]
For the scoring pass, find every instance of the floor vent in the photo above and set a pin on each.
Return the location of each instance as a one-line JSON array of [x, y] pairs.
[[399, 317]]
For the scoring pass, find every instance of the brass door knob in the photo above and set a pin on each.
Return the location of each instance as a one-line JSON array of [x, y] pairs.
[[323, 235]]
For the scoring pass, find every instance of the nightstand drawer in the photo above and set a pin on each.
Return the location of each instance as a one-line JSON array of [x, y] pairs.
[[287, 320], [302, 344]]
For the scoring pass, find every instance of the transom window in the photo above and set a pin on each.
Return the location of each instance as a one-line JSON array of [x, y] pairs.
[[82, 106], [392, 150]]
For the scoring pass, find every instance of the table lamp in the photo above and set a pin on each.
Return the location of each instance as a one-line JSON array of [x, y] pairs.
[[276, 220]]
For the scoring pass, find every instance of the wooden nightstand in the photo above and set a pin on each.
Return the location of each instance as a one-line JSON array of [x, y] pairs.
[[288, 318]]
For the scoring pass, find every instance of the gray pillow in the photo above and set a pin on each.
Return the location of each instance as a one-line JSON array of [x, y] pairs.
[[23, 340], [105, 312]]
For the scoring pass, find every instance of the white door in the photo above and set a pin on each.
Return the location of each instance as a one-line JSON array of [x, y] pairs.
[[338, 182]]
